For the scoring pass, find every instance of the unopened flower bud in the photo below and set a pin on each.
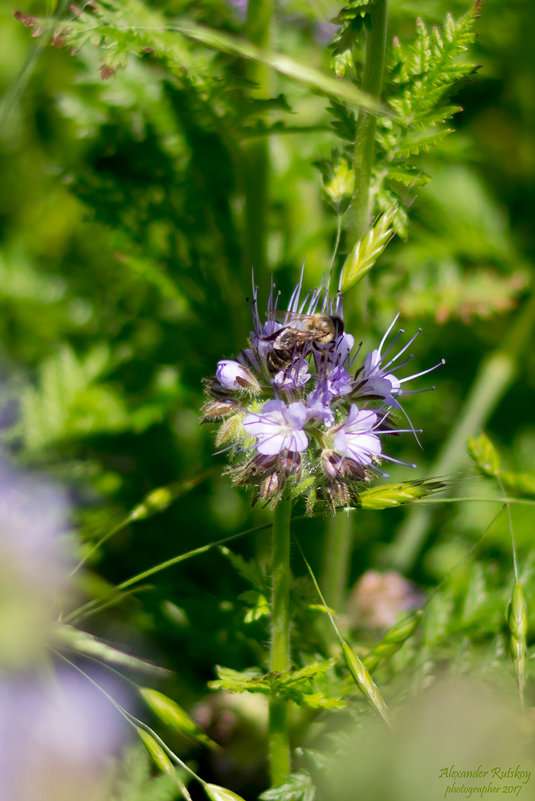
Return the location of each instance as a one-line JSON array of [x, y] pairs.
[[330, 462], [253, 470], [338, 494], [234, 376], [217, 408], [270, 486], [290, 464]]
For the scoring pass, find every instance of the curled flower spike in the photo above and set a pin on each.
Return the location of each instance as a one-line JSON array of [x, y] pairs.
[[297, 416]]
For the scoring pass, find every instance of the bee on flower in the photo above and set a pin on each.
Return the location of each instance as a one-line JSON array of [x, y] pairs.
[[297, 413]]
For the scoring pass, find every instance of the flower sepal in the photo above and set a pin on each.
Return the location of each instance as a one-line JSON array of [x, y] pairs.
[[230, 429]]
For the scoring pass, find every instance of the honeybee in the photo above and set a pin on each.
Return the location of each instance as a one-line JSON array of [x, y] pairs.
[[299, 331]]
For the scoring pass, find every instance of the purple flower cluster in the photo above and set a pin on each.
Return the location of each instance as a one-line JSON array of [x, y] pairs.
[[297, 412]]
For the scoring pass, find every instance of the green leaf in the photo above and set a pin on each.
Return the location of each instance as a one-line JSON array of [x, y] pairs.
[[522, 483], [172, 714], [484, 455], [284, 64], [258, 605], [297, 684], [238, 681], [420, 77], [69, 400], [250, 571], [487, 459], [297, 787]]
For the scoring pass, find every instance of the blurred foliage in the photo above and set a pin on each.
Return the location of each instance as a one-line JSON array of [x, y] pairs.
[[123, 280]]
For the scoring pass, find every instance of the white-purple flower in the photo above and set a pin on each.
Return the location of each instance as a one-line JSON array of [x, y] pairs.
[[377, 379], [295, 377], [278, 427], [355, 437], [234, 376], [319, 408]]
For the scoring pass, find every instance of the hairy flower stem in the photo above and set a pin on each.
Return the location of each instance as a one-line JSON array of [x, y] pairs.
[[372, 82], [259, 28], [279, 744], [338, 542]]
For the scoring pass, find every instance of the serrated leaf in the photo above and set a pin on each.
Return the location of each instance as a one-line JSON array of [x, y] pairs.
[[295, 685], [258, 605], [421, 75], [484, 455], [297, 787], [248, 570], [421, 144], [69, 401], [236, 681], [172, 714]]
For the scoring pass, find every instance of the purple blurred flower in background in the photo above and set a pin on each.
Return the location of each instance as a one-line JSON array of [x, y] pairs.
[[34, 564], [57, 735], [57, 729], [297, 411]]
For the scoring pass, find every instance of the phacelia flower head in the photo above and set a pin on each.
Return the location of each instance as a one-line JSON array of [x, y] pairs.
[[297, 414]]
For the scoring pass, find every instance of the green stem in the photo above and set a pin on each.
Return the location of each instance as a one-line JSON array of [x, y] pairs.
[[279, 744], [259, 27], [338, 542], [335, 572], [372, 82], [494, 377]]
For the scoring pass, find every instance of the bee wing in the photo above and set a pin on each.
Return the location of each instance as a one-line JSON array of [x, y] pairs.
[[293, 320]]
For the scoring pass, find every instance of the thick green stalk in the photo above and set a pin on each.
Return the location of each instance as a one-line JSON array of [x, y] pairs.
[[494, 377], [338, 543], [279, 744], [259, 27], [372, 82]]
